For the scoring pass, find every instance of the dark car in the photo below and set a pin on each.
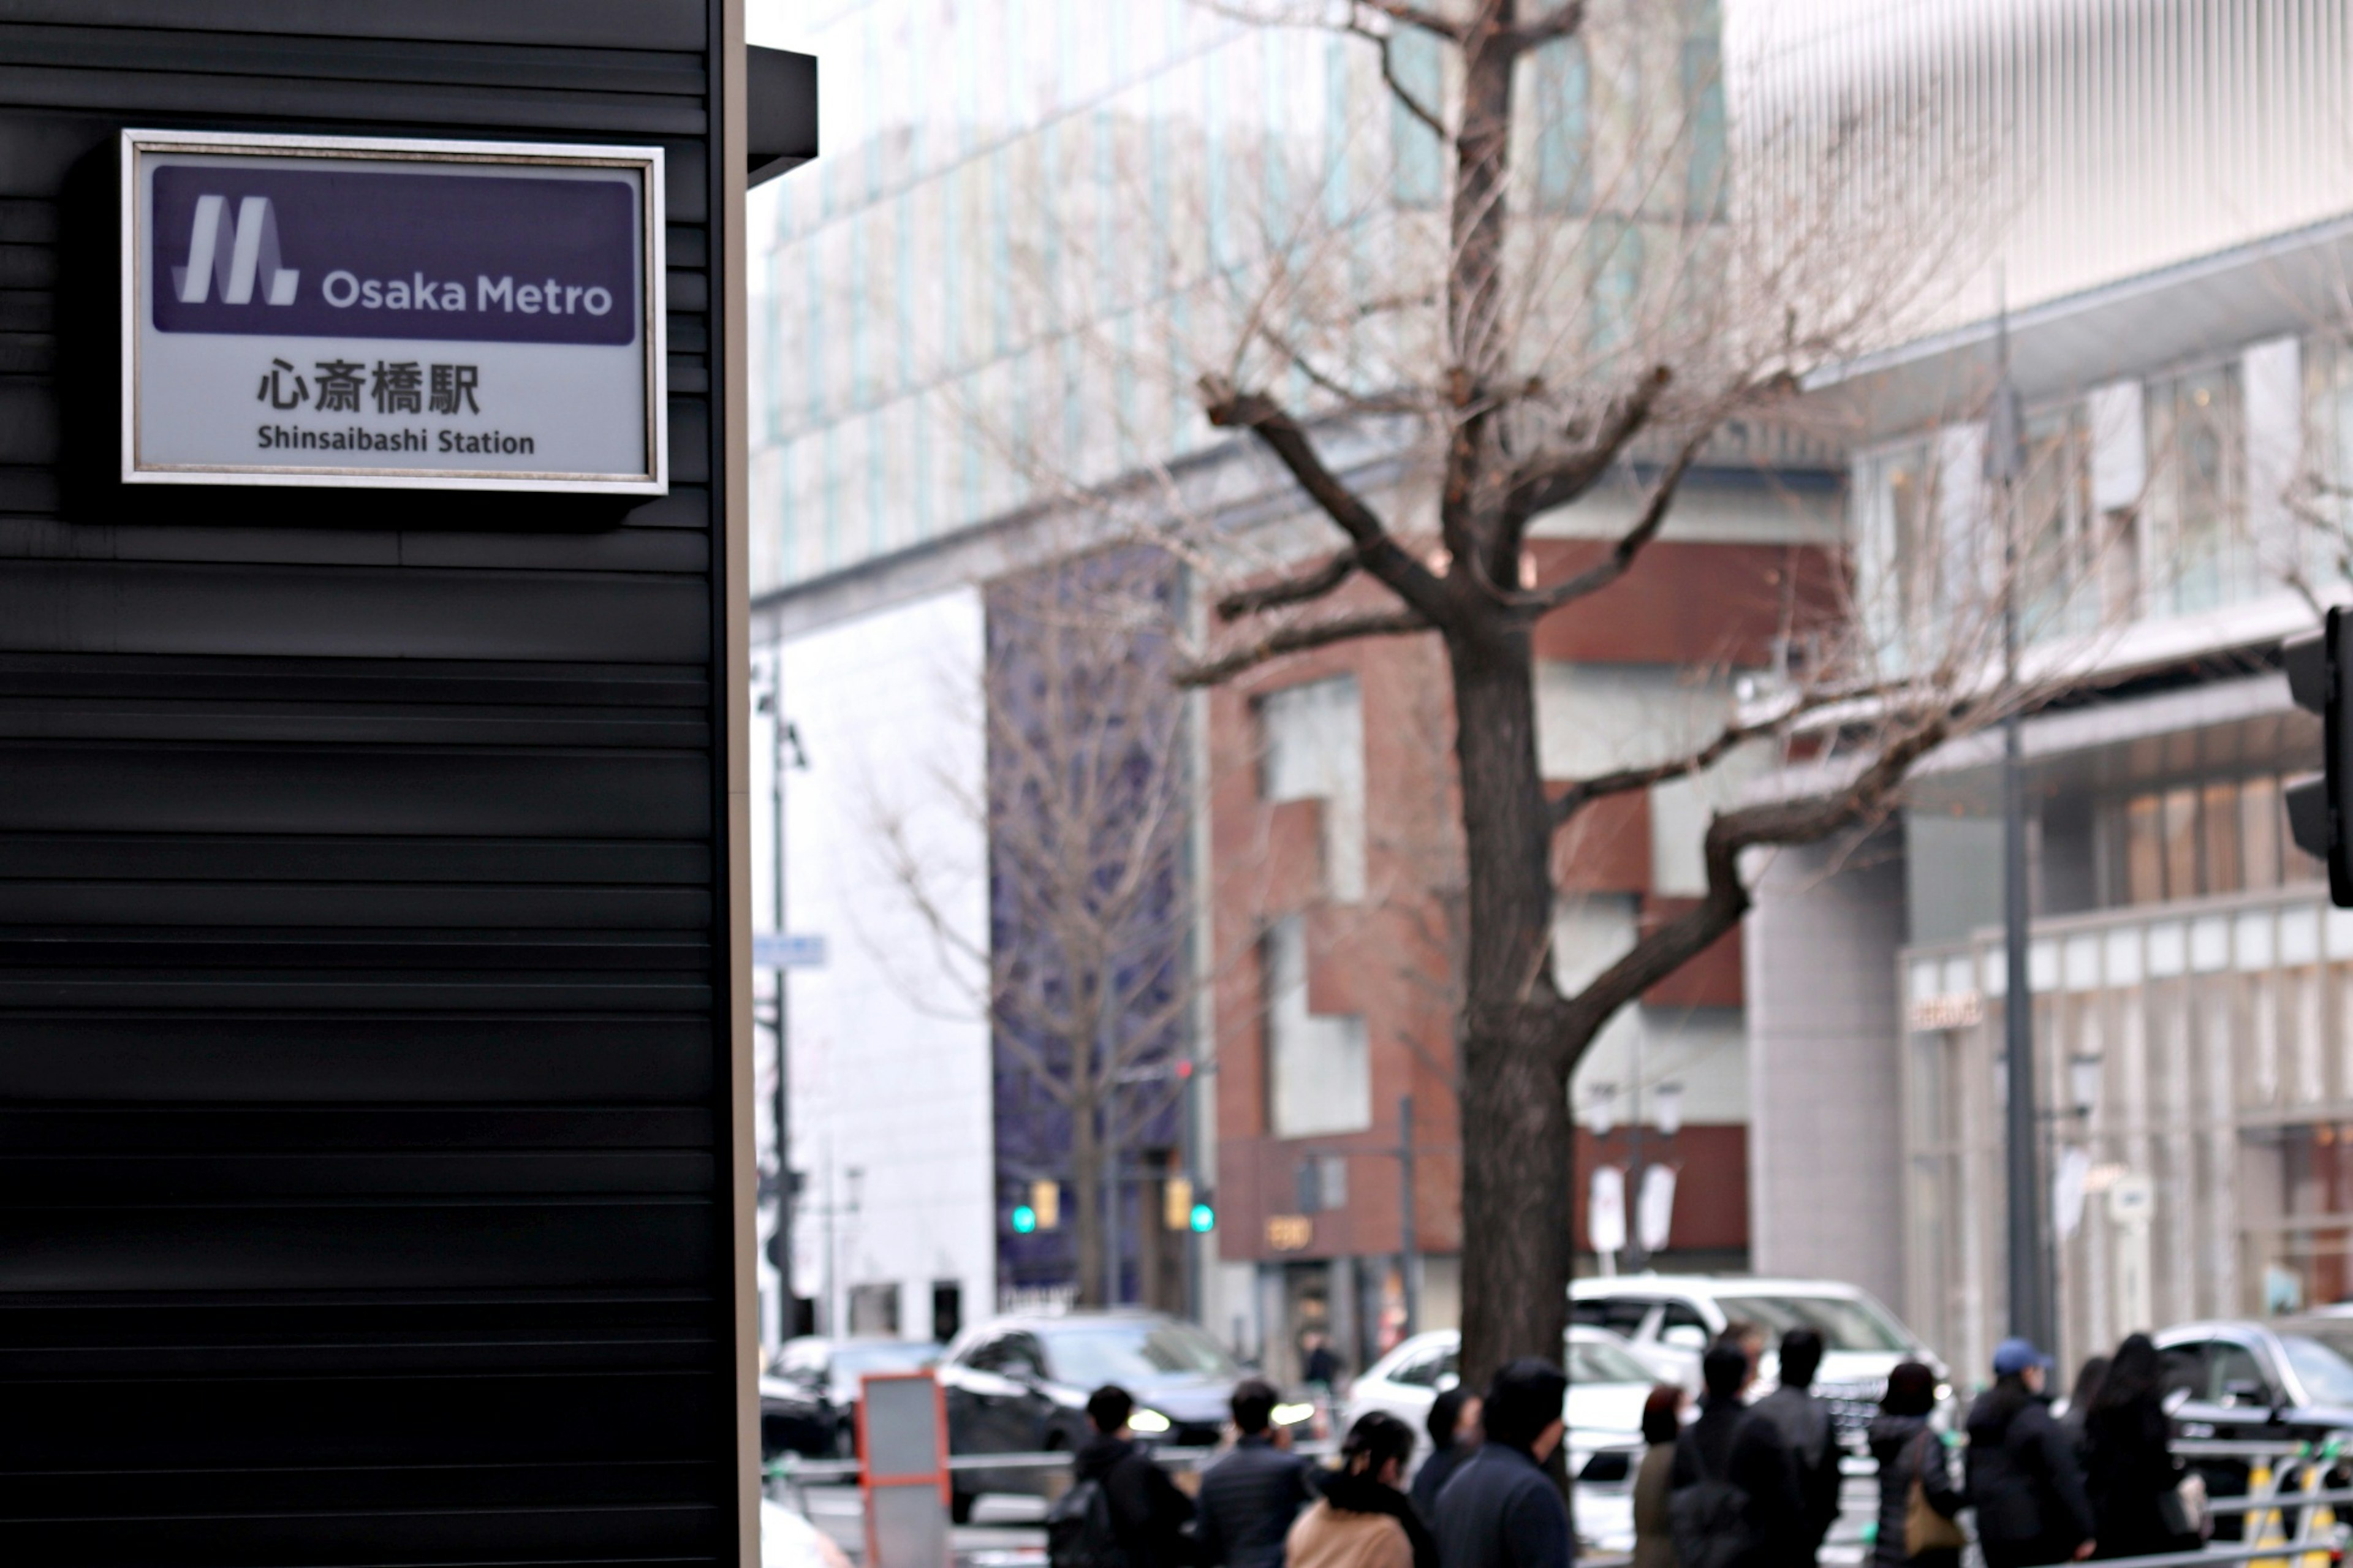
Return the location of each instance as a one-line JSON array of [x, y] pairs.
[[1019, 1385], [809, 1405], [2284, 1380]]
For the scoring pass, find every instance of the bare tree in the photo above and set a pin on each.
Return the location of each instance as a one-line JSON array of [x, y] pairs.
[[1534, 400], [1089, 973]]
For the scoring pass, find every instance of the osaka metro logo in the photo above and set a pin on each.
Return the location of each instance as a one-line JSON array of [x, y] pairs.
[[246, 253]]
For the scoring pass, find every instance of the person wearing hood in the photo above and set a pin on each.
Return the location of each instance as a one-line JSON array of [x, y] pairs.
[[2130, 1471], [1365, 1520], [1907, 1450], [2024, 1478], [1148, 1514]]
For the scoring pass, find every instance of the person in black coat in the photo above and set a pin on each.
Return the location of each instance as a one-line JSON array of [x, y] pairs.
[[1453, 1427], [1908, 1449], [2127, 1459], [2024, 1476], [1148, 1514], [1729, 1444], [1800, 1426], [1501, 1510], [1249, 1498]]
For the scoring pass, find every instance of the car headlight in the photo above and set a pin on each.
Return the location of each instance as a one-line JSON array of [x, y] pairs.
[[1292, 1414], [1147, 1421]]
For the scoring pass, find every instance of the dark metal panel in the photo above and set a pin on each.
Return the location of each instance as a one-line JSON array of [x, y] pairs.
[[610, 24]]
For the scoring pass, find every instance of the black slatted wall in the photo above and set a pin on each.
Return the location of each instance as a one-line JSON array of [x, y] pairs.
[[362, 1051]]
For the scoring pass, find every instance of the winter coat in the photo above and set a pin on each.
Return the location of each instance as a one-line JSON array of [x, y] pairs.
[[1654, 1531], [1361, 1524], [1432, 1478], [2024, 1480], [1500, 1510], [1247, 1503], [1148, 1514], [1809, 1442], [1731, 1444], [2129, 1466], [1895, 1444]]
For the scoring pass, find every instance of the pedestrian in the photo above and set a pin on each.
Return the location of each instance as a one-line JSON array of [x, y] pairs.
[[2024, 1477], [1319, 1365], [1119, 1501], [1249, 1498], [1724, 1463], [1453, 1428], [2130, 1473], [1749, 1337], [1366, 1520], [1801, 1427], [1654, 1531], [1913, 1475], [2087, 1389], [1501, 1510]]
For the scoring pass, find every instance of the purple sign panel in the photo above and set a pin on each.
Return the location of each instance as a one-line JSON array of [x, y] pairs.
[[348, 253]]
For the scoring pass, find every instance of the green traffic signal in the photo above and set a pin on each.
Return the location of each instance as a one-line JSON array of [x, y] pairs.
[[1205, 1218], [1025, 1219]]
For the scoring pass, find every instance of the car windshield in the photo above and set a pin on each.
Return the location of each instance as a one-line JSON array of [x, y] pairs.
[[1594, 1360], [2325, 1373], [884, 1355], [1844, 1322], [1091, 1354]]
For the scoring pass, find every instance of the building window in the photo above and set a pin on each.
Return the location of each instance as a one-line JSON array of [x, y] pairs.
[[1319, 1069], [1313, 741], [2056, 528], [874, 1309], [1415, 59], [2194, 528], [2323, 490], [1563, 82], [1896, 500], [1703, 85], [2193, 841]]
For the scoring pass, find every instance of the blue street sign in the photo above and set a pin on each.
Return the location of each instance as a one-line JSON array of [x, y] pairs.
[[787, 950]]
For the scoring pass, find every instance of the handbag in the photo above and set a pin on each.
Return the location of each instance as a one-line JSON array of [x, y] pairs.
[[2182, 1511], [1925, 1530]]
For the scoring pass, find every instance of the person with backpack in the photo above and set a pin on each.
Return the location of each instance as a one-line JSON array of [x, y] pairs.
[[1121, 1510], [1365, 1520], [1724, 1463], [2024, 1480], [1918, 1499], [1799, 1425], [1249, 1498], [1501, 1510]]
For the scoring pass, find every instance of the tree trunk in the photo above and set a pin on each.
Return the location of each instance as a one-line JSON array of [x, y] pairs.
[[1086, 1201], [1514, 1103]]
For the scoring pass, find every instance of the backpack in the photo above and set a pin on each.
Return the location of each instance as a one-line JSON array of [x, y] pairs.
[[1709, 1518], [1079, 1529]]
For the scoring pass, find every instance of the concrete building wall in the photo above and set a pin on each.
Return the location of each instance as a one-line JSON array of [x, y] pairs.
[[1824, 1090], [889, 1044]]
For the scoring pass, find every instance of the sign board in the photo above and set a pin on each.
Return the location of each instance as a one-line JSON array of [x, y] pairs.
[[903, 1438], [322, 311], [787, 950]]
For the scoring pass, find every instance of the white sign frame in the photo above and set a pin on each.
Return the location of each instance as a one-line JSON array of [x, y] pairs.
[[653, 328]]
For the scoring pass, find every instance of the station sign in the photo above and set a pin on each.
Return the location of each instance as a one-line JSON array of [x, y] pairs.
[[320, 311]]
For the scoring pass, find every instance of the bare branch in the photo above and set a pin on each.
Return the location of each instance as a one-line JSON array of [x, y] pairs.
[[1380, 554], [1561, 477], [1298, 639], [1311, 583], [1585, 792], [1545, 29], [1685, 938], [1413, 16], [1397, 90], [1614, 565]]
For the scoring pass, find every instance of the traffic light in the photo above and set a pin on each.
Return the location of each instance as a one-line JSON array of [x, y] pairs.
[[1046, 1202], [2320, 808], [1204, 1219], [1025, 1219], [1176, 1203]]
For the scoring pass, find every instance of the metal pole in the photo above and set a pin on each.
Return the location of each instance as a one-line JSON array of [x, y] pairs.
[[1637, 1255], [2031, 1314], [787, 1302], [1409, 1241]]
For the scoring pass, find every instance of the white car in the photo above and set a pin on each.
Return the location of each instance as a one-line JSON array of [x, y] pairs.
[[1672, 1319], [789, 1540]]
